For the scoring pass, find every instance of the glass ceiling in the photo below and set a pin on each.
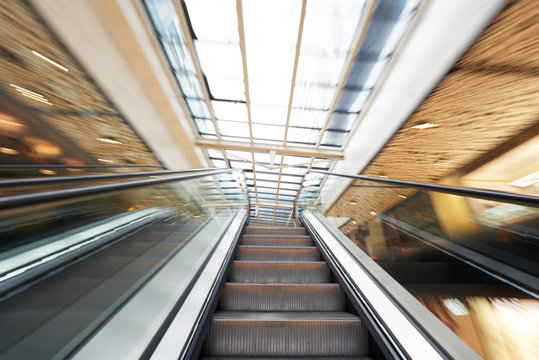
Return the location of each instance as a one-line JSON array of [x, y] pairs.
[[272, 73]]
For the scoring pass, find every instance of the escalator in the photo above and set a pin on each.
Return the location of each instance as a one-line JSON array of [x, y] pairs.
[[280, 302], [448, 250], [75, 266], [167, 267], [40, 318]]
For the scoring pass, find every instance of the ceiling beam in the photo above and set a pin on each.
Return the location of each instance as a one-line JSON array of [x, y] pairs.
[[295, 68], [227, 205], [289, 218], [270, 218], [198, 69], [273, 204], [291, 96], [356, 44], [241, 31], [331, 154]]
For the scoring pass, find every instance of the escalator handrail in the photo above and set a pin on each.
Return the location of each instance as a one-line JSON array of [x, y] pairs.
[[526, 200], [80, 178], [22, 200], [65, 166], [392, 304]]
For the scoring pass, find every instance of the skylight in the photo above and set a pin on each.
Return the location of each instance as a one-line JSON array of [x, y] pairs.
[[271, 74]]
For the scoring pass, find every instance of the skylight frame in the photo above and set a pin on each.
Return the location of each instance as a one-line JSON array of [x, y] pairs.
[[337, 114]]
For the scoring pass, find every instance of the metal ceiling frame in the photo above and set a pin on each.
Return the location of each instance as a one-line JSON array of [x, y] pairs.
[[200, 77], [314, 153], [302, 151], [370, 6]]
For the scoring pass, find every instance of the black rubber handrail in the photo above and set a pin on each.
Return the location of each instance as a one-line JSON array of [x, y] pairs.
[[527, 200], [21, 200], [64, 166], [79, 178]]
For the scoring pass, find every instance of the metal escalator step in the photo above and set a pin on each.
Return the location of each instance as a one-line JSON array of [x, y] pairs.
[[274, 230], [288, 358], [275, 253], [286, 334], [277, 240], [307, 272], [282, 297]]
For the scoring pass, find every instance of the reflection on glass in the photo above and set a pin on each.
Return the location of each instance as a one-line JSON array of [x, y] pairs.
[[404, 232], [50, 315], [516, 170]]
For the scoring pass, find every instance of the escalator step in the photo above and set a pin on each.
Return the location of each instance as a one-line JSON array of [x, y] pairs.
[[292, 334], [274, 230], [278, 253], [277, 240], [279, 272], [282, 297], [288, 358]]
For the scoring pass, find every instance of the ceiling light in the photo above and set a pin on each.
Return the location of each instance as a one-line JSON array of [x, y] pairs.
[[110, 141], [354, 222], [8, 151], [23, 90], [526, 180], [456, 307], [443, 162], [40, 100], [47, 172], [373, 213], [49, 60], [424, 126], [402, 196], [383, 176], [105, 160], [31, 94], [352, 202]]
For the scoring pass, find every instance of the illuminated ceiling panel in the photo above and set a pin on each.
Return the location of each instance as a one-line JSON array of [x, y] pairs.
[[245, 79]]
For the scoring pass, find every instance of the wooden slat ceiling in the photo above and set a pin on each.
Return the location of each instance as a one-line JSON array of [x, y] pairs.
[[75, 107], [487, 98]]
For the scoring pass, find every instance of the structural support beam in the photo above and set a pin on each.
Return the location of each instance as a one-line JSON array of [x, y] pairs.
[[273, 204], [270, 219], [264, 148], [357, 42]]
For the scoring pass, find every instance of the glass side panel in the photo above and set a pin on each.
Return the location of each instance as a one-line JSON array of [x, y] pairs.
[[71, 181], [136, 232], [435, 245], [173, 40]]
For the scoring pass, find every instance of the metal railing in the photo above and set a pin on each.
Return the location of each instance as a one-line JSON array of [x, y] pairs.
[[526, 200], [64, 166], [82, 178], [21, 200]]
